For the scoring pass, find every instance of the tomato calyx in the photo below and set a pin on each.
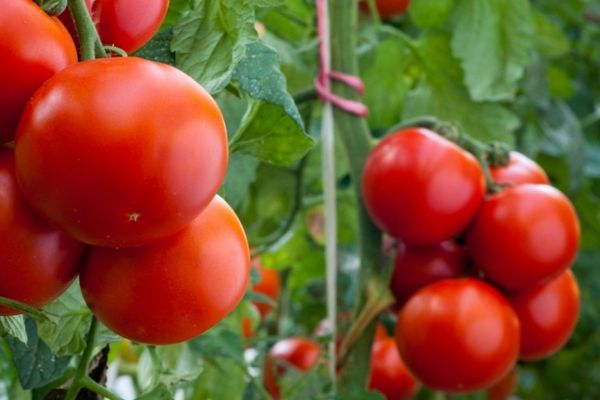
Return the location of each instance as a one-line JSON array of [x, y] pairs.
[[52, 7]]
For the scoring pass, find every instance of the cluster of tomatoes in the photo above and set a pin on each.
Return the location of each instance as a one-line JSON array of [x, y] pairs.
[[481, 280], [109, 172]]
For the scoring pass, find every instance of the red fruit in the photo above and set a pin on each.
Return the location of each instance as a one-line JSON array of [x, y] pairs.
[[548, 315], [389, 375], [458, 335], [268, 285], [524, 236], [519, 170]]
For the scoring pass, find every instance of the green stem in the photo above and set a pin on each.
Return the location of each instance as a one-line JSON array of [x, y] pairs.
[[116, 50], [84, 363], [35, 313], [156, 365], [356, 139], [479, 151], [94, 386], [86, 30]]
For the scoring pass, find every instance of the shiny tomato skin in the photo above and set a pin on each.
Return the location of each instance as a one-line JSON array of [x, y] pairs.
[[548, 315], [127, 24], [172, 290], [39, 262], [524, 236], [120, 152], [416, 267], [269, 285], [458, 335], [421, 188], [519, 170], [388, 8], [34, 47], [297, 352], [389, 375]]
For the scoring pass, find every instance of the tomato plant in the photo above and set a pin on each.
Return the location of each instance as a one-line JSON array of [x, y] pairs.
[[189, 281], [294, 352], [139, 173], [389, 375], [458, 335], [421, 188], [34, 47], [416, 267], [547, 315], [38, 261], [524, 236]]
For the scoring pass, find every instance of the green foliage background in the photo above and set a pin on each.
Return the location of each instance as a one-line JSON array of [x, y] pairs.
[[526, 72]]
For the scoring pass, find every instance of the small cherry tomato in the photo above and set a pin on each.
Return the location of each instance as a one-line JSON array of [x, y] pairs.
[[121, 152], [421, 188], [458, 335], [548, 315], [389, 375], [269, 285], [416, 267], [503, 389], [38, 261], [34, 47], [174, 289], [524, 236], [519, 170], [296, 352], [387, 8]]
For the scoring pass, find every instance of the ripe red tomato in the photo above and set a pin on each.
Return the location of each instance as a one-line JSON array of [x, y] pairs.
[[296, 352], [34, 47], [388, 8], [503, 389], [417, 267], [421, 188], [122, 151], [458, 335], [519, 170], [524, 235], [268, 285], [128, 24], [548, 315], [38, 261], [174, 289], [389, 375]]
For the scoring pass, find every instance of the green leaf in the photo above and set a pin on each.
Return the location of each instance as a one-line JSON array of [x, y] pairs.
[[385, 86], [493, 39], [159, 392], [66, 334], [272, 130], [430, 13], [14, 326], [549, 39], [36, 365], [220, 378], [210, 40], [241, 172], [441, 93], [159, 48], [219, 344]]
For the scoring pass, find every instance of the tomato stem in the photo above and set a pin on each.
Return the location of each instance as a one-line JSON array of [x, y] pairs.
[[86, 31], [357, 141], [52, 7], [35, 313]]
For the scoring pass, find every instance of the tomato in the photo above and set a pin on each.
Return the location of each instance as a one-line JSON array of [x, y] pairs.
[[387, 8], [128, 24], [458, 335], [421, 188], [268, 285], [174, 289], [296, 352], [39, 262], [518, 171], [34, 47], [389, 375], [524, 235], [122, 151], [503, 389], [548, 315], [416, 267]]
